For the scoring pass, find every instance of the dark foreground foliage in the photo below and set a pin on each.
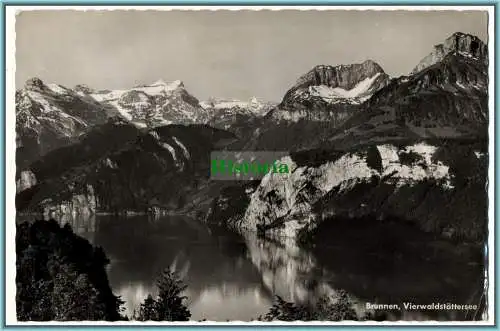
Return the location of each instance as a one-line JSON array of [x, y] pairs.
[[324, 309], [61, 276], [168, 306]]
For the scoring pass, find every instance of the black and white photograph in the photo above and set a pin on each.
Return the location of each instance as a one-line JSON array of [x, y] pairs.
[[250, 165]]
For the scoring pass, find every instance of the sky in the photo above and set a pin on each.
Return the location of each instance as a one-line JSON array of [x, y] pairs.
[[231, 54]]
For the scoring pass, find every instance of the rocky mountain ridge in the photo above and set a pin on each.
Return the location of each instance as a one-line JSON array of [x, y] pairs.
[[330, 89], [415, 152], [50, 116], [459, 43], [156, 104]]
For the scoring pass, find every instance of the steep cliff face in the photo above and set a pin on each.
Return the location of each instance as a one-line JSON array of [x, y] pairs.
[[458, 43], [343, 76], [321, 101], [327, 88], [118, 168], [81, 201], [25, 180], [438, 187]]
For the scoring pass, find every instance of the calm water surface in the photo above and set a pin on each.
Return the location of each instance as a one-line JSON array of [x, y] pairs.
[[235, 277]]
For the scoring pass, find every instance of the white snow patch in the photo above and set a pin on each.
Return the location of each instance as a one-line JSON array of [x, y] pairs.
[[479, 155], [205, 104], [467, 54], [57, 88], [426, 168], [171, 150], [124, 112], [155, 135], [184, 149], [139, 124], [26, 180], [38, 98], [110, 163], [231, 104], [112, 95], [55, 112], [143, 99], [357, 93], [178, 162], [349, 166], [159, 87]]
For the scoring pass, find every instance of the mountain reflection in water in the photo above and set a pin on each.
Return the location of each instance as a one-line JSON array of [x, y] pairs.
[[235, 277]]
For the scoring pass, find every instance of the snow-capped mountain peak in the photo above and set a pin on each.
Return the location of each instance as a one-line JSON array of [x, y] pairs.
[[253, 106], [50, 115], [168, 85], [331, 91], [155, 104], [34, 83]]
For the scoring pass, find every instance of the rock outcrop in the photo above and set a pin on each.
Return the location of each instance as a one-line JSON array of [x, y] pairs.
[[441, 188], [25, 180], [458, 43], [343, 76], [334, 88]]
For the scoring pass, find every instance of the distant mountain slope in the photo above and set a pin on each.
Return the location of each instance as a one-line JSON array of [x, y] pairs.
[[448, 98], [237, 116], [116, 168], [50, 116], [254, 106], [156, 104]]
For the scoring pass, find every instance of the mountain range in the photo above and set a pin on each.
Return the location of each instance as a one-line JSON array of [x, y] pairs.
[[361, 143], [49, 116]]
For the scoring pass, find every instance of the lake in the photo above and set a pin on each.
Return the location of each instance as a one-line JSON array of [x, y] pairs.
[[236, 276]]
